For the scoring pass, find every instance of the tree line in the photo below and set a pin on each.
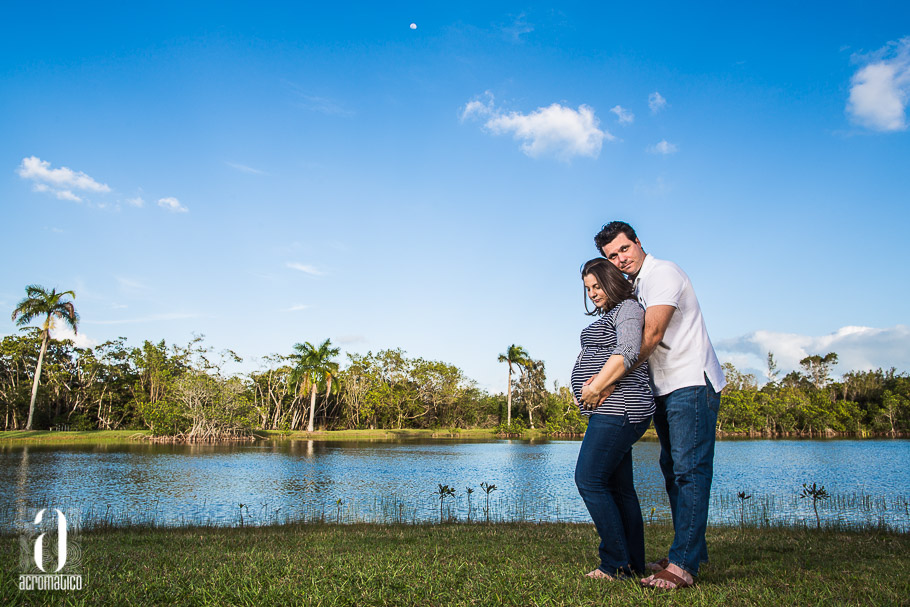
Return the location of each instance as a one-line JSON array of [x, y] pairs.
[[184, 390]]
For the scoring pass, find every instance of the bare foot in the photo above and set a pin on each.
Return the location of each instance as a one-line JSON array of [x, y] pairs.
[[597, 574], [654, 581]]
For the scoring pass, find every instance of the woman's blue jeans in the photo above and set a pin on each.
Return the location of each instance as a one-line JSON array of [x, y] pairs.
[[686, 421], [603, 476]]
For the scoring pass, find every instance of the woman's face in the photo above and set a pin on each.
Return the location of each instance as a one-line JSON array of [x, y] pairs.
[[595, 293]]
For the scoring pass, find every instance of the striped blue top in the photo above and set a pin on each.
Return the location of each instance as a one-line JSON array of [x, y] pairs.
[[616, 332]]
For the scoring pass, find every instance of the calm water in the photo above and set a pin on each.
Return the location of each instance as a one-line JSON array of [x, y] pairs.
[[395, 480]]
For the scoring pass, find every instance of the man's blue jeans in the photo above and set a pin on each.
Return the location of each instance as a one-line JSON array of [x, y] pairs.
[[686, 421], [603, 476]]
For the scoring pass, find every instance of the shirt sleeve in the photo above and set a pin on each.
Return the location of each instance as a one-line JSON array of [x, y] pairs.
[[663, 287], [629, 319]]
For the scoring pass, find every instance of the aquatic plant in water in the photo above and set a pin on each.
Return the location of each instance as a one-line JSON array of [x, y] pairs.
[[817, 494]]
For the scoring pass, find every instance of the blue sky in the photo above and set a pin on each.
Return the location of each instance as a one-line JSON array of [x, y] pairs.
[[267, 175]]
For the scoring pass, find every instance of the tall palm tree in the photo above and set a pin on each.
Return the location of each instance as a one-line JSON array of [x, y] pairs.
[[515, 355], [315, 365], [39, 303]]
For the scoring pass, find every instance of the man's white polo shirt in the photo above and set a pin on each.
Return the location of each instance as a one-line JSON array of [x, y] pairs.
[[685, 354]]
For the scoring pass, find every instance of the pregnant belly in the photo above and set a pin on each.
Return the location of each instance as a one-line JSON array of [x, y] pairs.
[[588, 364]]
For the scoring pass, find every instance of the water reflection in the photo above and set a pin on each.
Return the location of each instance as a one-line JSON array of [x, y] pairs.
[[385, 481]]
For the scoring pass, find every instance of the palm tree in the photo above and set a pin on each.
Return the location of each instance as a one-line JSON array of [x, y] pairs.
[[40, 303], [515, 355], [315, 365]]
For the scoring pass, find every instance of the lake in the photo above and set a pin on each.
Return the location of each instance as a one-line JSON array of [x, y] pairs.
[[398, 480]]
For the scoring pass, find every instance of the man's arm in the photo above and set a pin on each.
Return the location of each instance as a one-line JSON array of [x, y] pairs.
[[657, 319]]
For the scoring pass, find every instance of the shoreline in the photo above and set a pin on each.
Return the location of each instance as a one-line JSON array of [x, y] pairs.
[[19, 437]]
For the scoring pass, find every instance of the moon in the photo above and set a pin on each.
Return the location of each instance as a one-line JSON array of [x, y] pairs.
[[413, 26]]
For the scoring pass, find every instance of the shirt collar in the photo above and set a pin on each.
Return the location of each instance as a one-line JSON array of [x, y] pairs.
[[645, 268]]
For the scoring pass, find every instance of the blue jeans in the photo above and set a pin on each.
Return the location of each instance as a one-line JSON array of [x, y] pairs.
[[603, 476], [686, 421]]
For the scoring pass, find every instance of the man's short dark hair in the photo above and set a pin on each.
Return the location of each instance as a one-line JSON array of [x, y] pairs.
[[610, 231]]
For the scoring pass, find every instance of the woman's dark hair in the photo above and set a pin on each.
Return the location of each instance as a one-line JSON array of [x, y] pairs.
[[610, 279]]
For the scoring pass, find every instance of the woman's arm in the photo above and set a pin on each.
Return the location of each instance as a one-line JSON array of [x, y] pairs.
[[612, 370], [628, 323]]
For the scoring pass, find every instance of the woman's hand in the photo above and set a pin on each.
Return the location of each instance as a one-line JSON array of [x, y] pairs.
[[592, 395]]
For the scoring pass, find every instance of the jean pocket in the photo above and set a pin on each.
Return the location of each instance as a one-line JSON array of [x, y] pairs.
[[713, 401]]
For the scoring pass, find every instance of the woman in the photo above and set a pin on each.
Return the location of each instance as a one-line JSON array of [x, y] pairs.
[[603, 474]]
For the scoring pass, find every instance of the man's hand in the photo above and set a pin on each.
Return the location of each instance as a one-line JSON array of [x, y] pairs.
[[591, 397]]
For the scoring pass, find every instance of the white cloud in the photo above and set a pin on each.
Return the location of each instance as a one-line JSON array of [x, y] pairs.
[[623, 115], [880, 89], [137, 202], [245, 169], [67, 195], [298, 308], [656, 102], [555, 130], [59, 182], [80, 340], [306, 269], [481, 107], [857, 348], [172, 204], [131, 284], [663, 147], [518, 28]]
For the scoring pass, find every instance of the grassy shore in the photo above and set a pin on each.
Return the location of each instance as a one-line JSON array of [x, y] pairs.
[[25, 437], [461, 564]]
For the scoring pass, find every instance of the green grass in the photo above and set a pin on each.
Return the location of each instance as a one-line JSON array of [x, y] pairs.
[[29, 437], [462, 564]]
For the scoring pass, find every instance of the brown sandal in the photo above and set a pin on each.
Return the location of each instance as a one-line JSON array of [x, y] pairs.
[[658, 565], [669, 577]]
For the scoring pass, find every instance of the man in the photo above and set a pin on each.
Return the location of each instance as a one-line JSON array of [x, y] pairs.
[[686, 378]]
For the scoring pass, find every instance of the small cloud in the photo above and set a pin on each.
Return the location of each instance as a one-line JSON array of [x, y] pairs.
[[245, 169], [60, 182], [61, 332], [132, 285], [659, 187], [315, 103], [663, 147], [172, 204], [518, 28], [298, 308], [656, 102], [880, 89], [623, 115], [306, 269], [554, 130], [136, 201], [480, 107]]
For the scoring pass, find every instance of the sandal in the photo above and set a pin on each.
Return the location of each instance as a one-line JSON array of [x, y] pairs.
[[665, 575], [658, 565], [599, 574]]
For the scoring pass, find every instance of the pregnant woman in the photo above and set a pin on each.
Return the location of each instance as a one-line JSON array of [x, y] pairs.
[[603, 474]]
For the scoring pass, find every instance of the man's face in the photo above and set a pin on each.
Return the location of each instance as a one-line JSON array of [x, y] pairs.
[[625, 254]]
